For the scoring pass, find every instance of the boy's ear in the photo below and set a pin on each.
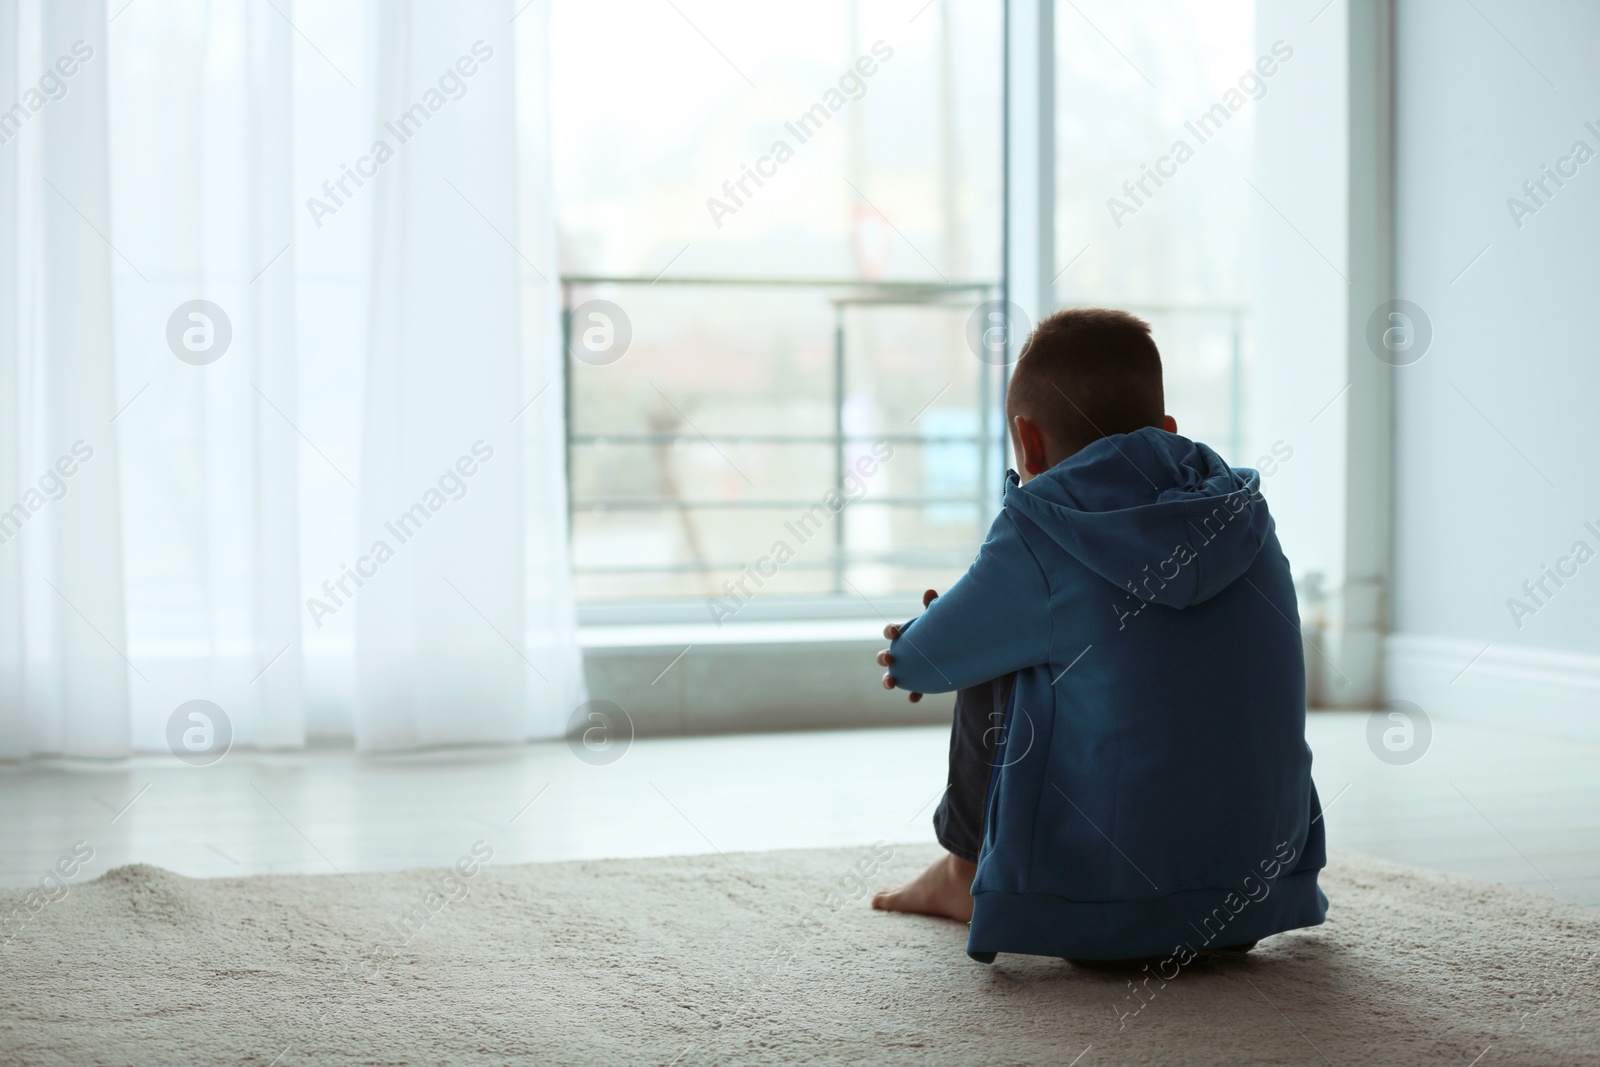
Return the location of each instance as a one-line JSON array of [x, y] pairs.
[[1030, 446], [1169, 424]]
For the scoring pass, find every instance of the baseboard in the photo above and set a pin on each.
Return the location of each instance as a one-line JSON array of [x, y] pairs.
[[1536, 690]]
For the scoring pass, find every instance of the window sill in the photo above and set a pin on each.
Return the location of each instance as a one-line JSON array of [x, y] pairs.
[[654, 611], [833, 633], [699, 678]]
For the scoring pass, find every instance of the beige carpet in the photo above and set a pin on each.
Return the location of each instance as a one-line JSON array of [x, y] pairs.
[[748, 959]]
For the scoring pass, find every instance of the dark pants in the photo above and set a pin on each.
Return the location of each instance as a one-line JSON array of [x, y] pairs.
[[976, 731]]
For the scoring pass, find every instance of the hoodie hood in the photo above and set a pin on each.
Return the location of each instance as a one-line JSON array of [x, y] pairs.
[[1157, 515]]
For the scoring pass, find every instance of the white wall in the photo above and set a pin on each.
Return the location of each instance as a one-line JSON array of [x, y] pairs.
[[1322, 260], [1504, 403], [1297, 287]]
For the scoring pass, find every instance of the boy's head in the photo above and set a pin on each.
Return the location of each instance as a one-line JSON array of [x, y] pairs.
[[1084, 374]]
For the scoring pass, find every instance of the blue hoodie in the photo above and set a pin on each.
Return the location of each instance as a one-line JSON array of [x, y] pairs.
[[1152, 791]]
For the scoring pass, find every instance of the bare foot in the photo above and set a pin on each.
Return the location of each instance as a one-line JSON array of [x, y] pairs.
[[944, 889]]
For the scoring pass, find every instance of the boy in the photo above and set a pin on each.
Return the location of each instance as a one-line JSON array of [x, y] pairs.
[[1128, 769]]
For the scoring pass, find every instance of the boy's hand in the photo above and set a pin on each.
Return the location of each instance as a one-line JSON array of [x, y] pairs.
[[891, 632]]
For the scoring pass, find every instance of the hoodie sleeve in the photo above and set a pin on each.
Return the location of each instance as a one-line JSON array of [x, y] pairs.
[[993, 621]]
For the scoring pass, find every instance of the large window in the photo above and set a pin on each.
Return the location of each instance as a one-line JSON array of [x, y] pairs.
[[809, 213]]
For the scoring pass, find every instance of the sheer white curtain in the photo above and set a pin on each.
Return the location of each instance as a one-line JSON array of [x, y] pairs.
[[441, 634], [202, 197], [281, 346], [63, 674]]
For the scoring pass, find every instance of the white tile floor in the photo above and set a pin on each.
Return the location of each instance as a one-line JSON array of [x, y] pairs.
[[1505, 805]]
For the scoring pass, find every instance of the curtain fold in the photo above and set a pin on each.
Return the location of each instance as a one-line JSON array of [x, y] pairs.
[[211, 528], [67, 673], [441, 626], [261, 352], [540, 417]]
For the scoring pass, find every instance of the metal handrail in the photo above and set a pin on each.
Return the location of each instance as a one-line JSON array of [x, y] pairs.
[[647, 503], [948, 557], [780, 283], [766, 438]]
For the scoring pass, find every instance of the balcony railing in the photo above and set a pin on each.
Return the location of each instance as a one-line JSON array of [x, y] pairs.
[[986, 439]]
